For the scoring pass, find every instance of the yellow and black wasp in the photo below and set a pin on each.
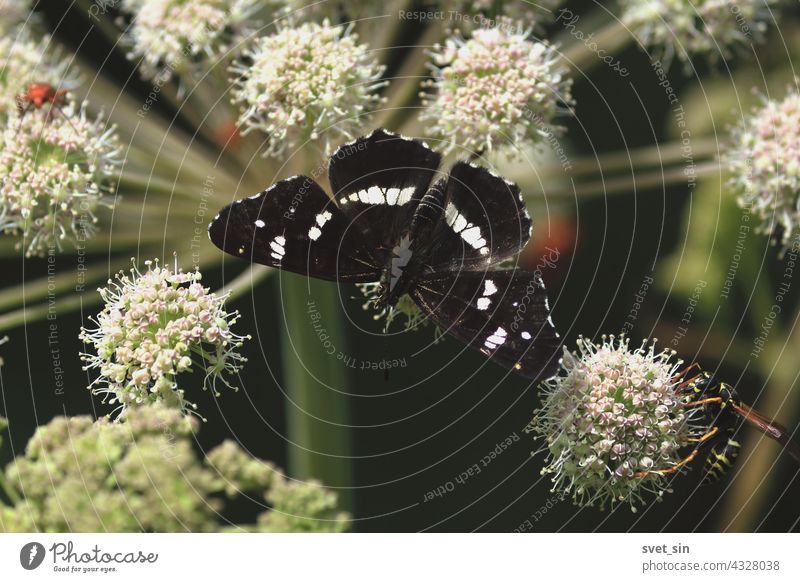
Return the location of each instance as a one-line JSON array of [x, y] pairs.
[[723, 414]]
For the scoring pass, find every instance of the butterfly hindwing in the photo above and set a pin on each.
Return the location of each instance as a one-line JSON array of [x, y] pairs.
[[392, 219], [502, 313], [377, 181], [484, 222], [295, 226]]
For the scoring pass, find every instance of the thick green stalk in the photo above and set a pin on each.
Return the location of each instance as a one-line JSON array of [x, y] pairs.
[[315, 383]]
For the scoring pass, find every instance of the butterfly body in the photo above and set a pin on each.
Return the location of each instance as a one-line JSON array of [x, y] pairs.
[[396, 219], [411, 257]]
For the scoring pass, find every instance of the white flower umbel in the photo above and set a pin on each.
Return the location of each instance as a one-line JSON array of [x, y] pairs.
[[56, 170], [765, 166], [498, 88], [154, 326], [610, 419], [313, 82], [24, 61], [685, 28], [183, 37]]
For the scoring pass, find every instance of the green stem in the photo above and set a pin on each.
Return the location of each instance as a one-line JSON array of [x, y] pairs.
[[155, 184], [388, 36], [173, 149], [650, 156], [406, 84], [101, 22], [11, 296], [245, 281], [316, 382], [629, 184], [27, 315], [612, 38]]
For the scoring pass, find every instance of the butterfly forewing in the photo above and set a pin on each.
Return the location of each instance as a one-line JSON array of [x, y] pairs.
[[502, 313], [295, 226], [377, 181], [484, 221], [393, 219]]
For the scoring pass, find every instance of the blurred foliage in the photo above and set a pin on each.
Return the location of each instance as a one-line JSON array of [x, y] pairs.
[[83, 475], [745, 318]]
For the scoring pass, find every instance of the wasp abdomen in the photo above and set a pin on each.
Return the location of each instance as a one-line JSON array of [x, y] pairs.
[[720, 460]]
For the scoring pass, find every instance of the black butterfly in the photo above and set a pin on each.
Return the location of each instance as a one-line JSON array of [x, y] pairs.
[[438, 238]]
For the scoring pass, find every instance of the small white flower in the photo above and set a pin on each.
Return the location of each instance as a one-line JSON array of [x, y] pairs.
[[306, 83], [154, 326], [765, 166], [182, 37], [498, 88], [55, 171], [596, 455], [684, 28]]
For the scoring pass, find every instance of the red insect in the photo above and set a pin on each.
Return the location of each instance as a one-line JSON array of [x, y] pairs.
[[39, 94]]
